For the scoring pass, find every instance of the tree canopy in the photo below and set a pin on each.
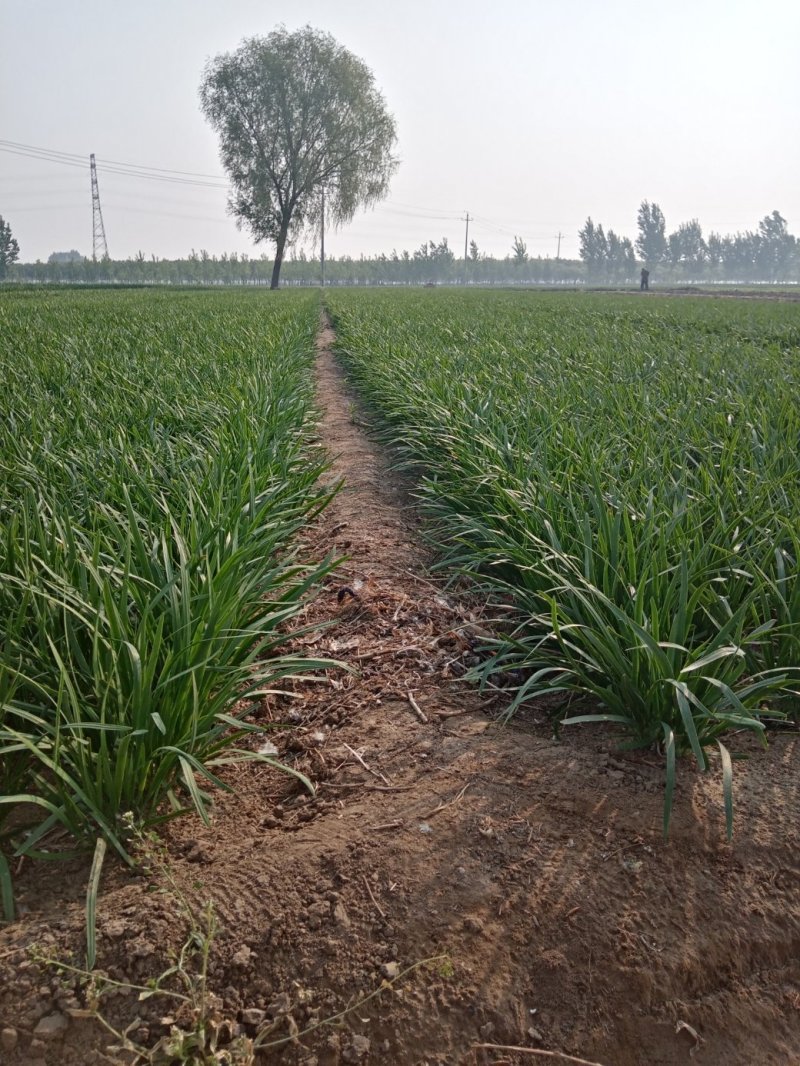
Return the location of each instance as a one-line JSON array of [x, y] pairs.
[[519, 251], [297, 114], [651, 244], [608, 257], [9, 249]]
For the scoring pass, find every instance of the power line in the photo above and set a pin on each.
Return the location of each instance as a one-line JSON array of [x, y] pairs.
[[80, 160], [178, 216], [416, 207], [203, 180], [47, 207], [420, 213], [199, 179], [124, 169]]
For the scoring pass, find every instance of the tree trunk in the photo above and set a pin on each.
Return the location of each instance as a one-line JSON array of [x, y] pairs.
[[280, 245]]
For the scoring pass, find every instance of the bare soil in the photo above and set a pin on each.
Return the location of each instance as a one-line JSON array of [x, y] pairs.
[[532, 870]]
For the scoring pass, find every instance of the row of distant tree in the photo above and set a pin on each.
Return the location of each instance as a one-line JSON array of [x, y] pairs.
[[433, 262], [767, 254]]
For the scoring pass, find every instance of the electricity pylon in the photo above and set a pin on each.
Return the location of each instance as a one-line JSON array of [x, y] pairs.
[[99, 243]]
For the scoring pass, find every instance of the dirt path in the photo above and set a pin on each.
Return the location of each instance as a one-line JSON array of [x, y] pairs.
[[370, 517], [532, 871]]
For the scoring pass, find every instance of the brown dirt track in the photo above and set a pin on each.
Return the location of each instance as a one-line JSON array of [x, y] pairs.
[[534, 870]]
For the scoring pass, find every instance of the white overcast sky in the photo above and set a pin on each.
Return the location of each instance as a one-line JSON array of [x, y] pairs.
[[529, 115]]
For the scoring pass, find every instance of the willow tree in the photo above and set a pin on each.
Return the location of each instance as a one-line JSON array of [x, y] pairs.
[[298, 116]]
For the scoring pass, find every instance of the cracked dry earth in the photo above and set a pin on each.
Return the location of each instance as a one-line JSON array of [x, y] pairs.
[[531, 871]]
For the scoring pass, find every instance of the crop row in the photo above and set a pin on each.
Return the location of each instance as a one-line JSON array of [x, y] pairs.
[[626, 473], [155, 467]]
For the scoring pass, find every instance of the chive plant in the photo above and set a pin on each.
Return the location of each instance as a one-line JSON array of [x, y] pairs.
[[156, 463]]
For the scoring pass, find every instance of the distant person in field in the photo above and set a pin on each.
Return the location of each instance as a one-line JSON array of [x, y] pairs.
[[645, 282]]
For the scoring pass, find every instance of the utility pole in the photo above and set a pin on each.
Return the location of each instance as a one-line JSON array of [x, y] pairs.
[[558, 253], [466, 242], [99, 242], [322, 242]]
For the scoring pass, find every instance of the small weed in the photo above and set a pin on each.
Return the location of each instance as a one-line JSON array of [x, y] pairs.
[[199, 1032]]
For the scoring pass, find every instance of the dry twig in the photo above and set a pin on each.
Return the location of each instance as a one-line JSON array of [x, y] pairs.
[[378, 907], [537, 1051], [375, 773], [379, 651], [637, 843], [423, 581], [444, 806], [399, 607], [415, 707], [368, 788]]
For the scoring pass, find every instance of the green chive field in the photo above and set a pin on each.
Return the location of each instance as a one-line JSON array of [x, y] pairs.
[[528, 787], [626, 475], [156, 465]]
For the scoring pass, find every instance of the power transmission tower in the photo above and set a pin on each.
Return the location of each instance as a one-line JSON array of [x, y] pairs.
[[558, 253], [466, 239], [99, 243]]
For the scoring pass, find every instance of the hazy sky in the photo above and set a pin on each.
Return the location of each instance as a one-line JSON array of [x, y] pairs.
[[530, 115]]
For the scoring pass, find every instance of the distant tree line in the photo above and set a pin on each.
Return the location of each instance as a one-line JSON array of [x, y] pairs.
[[434, 262], [767, 254]]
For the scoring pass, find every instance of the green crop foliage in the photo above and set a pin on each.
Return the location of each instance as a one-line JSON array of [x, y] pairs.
[[626, 474], [156, 462]]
